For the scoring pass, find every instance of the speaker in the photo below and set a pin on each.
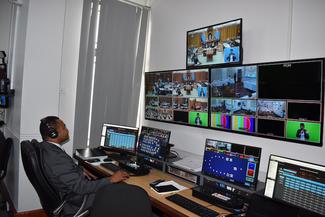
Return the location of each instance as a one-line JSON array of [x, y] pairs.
[[52, 133]]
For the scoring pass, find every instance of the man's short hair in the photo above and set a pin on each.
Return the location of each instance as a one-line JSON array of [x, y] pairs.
[[46, 124]]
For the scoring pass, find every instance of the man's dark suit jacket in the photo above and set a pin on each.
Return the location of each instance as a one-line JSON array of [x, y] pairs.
[[68, 178]]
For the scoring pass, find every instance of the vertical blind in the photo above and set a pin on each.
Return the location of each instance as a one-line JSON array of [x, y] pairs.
[[119, 66]]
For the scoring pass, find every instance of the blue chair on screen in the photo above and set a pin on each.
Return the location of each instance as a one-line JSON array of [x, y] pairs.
[[203, 40]]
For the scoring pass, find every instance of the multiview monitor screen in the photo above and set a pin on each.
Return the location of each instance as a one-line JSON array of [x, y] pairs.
[[296, 182], [154, 142], [180, 96], [231, 162], [278, 100], [121, 139], [215, 45]]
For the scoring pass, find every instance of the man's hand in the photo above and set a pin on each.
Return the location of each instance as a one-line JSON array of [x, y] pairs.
[[119, 176]]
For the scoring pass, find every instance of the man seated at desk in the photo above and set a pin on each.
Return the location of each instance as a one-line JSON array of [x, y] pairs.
[[68, 178]]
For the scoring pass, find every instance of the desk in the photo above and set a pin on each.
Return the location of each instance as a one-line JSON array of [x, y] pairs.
[[158, 200]]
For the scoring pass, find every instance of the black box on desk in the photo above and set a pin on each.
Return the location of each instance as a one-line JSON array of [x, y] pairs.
[[234, 204], [223, 194], [152, 162]]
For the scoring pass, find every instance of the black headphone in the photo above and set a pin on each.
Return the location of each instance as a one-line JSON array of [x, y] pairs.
[[52, 133]]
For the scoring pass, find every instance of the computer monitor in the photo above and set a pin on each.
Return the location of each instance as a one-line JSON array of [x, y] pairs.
[[178, 96], [296, 182], [120, 139], [217, 44], [231, 162], [154, 142]]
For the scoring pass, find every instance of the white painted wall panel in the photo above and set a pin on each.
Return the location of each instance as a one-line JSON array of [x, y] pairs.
[[267, 36]]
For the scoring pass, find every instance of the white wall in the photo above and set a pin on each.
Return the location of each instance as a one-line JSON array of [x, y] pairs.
[[41, 77], [272, 31], [5, 12], [45, 69], [69, 71], [14, 113]]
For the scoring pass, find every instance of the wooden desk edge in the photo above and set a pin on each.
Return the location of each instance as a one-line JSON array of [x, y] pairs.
[[158, 201]]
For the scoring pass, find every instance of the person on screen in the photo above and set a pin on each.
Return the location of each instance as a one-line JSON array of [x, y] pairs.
[[210, 41], [195, 58], [71, 181], [198, 120], [217, 35], [302, 133], [232, 56]]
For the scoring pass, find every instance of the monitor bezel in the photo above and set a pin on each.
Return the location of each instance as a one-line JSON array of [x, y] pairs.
[[114, 149], [254, 186], [148, 155], [217, 64]]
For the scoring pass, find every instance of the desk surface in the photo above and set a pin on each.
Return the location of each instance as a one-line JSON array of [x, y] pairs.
[[158, 200]]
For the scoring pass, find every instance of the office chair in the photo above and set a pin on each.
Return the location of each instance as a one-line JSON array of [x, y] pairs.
[[121, 200], [49, 197], [5, 149]]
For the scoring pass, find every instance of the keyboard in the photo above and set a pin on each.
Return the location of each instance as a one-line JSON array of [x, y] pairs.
[[192, 206], [110, 166]]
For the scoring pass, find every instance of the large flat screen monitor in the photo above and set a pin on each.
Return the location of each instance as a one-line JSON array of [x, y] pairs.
[[275, 100], [179, 96], [154, 142], [215, 45], [231, 162], [120, 139], [278, 100], [296, 182]]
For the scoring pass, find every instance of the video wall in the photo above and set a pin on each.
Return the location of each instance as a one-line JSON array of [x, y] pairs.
[[280, 100]]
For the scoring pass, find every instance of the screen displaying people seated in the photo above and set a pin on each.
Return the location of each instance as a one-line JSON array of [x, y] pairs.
[[296, 182], [280, 100], [179, 96], [266, 100], [154, 142], [231, 162], [215, 45], [119, 138]]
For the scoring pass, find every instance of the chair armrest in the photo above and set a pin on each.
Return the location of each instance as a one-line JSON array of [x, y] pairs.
[[57, 211], [81, 212]]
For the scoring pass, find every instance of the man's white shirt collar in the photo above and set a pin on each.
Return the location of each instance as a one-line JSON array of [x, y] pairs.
[[56, 144]]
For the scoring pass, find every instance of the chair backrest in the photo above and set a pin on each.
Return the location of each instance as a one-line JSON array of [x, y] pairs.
[[121, 200], [30, 154], [5, 149]]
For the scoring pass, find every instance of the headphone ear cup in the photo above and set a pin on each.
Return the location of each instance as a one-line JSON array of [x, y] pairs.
[[52, 133]]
